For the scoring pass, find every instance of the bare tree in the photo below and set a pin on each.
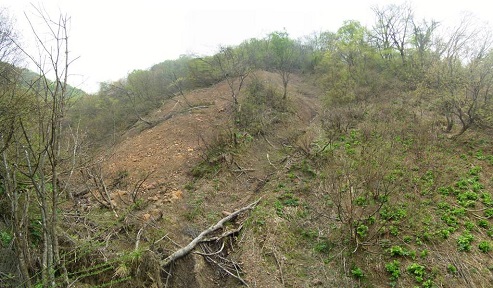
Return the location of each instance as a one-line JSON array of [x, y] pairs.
[[464, 73], [232, 62], [38, 145], [13, 104], [392, 29]]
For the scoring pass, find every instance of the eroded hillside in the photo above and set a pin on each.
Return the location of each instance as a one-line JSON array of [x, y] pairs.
[[371, 193]]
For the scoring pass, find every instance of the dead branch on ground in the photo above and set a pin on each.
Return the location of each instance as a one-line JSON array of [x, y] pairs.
[[202, 236]]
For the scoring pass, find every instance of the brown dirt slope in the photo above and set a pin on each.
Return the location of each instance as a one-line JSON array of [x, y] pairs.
[[180, 205]]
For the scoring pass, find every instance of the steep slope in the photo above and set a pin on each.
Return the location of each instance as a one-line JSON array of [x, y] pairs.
[[369, 193], [168, 153]]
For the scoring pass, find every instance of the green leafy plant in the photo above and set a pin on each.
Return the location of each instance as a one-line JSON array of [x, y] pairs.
[[486, 198], [444, 190], [279, 208], [394, 269], [450, 220], [407, 239], [423, 253], [488, 213], [394, 230], [417, 270], [469, 225], [483, 223], [398, 251], [362, 230], [361, 201], [5, 238], [464, 241], [357, 273], [445, 233], [428, 284], [452, 269], [323, 246], [474, 171], [484, 246]]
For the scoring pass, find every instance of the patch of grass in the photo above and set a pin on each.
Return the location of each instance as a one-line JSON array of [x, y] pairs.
[[289, 199], [190, 186], [305, 168], [194, 208], [205, 168], [323, 246], [279, 208]]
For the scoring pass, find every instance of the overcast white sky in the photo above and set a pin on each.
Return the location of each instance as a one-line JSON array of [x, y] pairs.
[[114, 37]]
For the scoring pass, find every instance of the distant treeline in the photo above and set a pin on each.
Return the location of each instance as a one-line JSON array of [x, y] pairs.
[[450, 67]]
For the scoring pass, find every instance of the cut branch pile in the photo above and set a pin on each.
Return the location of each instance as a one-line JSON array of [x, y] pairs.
[[228, 266]]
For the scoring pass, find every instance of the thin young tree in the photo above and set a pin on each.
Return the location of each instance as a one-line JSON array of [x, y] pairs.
[[13, 104], [283, 56], [233, 64], [40, 145], [392, 29]]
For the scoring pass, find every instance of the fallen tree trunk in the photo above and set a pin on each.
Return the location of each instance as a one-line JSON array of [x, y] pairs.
[[201, 237]]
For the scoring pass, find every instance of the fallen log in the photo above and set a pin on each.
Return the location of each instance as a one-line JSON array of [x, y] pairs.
[[201, 237]]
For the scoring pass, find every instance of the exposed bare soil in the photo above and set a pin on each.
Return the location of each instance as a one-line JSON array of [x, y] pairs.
[[167, 152]]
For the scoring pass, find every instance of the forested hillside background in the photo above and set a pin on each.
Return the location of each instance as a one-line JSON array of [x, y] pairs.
[[363, 158]]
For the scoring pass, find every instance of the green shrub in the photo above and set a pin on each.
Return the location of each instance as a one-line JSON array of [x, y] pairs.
[[262, 107]]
